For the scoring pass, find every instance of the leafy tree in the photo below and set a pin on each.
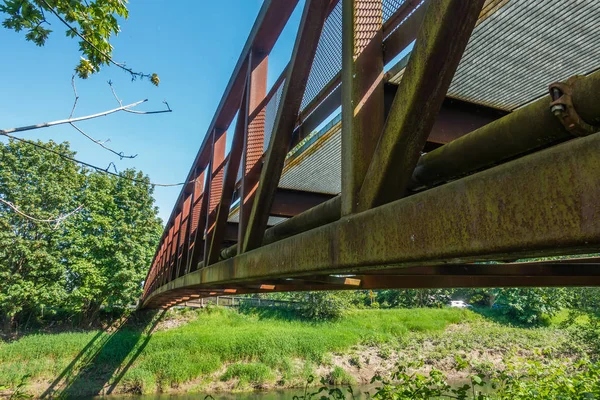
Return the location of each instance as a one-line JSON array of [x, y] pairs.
[[93, 22], [96, 257], [530, 305], [32, 268], [410, 298]]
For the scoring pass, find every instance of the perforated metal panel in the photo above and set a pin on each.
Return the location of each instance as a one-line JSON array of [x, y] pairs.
[[271, 113], [328, 57], [319, 167]]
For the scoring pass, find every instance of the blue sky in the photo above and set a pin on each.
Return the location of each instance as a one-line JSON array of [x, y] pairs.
[[192, 45]]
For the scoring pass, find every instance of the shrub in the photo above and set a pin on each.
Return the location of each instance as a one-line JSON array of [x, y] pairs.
[[338, 376], [255, 374]]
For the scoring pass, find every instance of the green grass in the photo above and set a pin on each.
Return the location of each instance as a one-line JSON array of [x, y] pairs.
[[339, 376], [254, 347]]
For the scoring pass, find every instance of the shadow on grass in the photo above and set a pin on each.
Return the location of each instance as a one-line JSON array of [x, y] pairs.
[[101, 361]]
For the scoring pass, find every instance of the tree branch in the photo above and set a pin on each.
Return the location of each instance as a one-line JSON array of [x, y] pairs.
[[99, 169], [76, 96], [101, 144], [56, 220], [71, 120]]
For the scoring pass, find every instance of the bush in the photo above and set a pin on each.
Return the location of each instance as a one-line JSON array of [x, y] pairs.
[[338, 376], [255, 374], [323, 306]]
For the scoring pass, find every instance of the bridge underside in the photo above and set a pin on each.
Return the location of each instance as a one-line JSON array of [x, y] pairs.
[[452, 168]]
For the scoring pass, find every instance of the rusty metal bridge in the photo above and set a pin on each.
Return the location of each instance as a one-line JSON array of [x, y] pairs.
[[466, 141]]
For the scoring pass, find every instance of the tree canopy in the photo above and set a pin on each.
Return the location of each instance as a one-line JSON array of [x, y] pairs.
[[96, 257]]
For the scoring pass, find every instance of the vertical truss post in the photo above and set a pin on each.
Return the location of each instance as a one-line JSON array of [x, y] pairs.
[[215, 188], [198, 221], [441, 41], [175, 247], [254, 137], [183, 236], [167, 266], [214, 237], [362, 93], [309, 31]]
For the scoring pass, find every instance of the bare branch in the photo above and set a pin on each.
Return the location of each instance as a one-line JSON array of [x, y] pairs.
[[114, 93], [114, 167], [76, 96], [106, 56], [101, 144], [71, 120], [39, 146], [56, 220], [136, 111]]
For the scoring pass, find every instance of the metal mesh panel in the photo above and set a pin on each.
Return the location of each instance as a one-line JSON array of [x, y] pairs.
[[328, 57], [516, 52], [390, 7], [271, 113]]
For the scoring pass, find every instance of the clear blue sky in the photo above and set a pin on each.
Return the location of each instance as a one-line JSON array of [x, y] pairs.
[[192, 45]]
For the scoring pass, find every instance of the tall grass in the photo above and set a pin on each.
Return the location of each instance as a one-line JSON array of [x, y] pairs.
[[216, 338]]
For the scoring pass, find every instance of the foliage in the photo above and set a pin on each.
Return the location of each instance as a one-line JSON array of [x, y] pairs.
[[523, 380], [19, 391], [322, 305], [530, 305], [254, 374], [94, 22], [338, 376], [411, 298], [96, 257]]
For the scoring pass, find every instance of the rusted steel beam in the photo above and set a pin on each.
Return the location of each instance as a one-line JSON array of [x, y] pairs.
[[397, 38], [455, 119], [303, 54], [440, 43], [174, 247], [575, 273], [543, 204], [183, 237], [254, 137], [216, 235], [215, 188], [198, 221], [324, 213], [362, 93], [289, 202], [529, 128]]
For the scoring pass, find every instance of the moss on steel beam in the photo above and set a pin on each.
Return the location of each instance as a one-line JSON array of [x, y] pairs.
[[542, 204]]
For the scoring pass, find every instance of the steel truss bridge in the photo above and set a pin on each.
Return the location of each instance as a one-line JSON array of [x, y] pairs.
[[466, 141]]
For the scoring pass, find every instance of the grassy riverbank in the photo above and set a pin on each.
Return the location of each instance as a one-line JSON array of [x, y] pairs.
[[220, 349]]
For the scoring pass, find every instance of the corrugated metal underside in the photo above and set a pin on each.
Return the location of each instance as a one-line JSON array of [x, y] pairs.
[[524, 46], [318, 168]]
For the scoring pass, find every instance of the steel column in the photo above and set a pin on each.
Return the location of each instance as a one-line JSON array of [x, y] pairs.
[[215, 188], [215, 236], [362, 93], [254, 138]]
